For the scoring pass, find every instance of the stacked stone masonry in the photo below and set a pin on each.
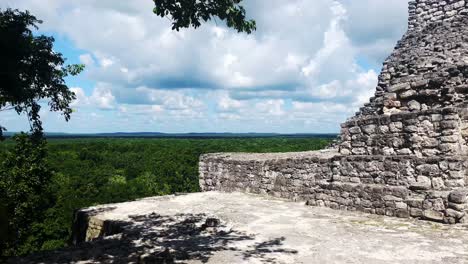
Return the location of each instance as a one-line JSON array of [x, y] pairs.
[[403, 186], [403, 154], [436, 132], [429, 66]]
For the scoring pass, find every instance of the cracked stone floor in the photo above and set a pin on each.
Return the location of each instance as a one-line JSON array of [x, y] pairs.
[[215, 227]]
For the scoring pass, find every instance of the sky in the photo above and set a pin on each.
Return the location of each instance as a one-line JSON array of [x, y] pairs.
[[309, 66]]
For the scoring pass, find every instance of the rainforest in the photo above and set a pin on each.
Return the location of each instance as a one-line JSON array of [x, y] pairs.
[[91, 171]]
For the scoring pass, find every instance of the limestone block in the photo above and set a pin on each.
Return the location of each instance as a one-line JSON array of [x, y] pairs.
[[414, 105], [405, 151], [415, 212], [449, 147], [456, 206], [355, 130], [369, 129], [449, 124], [428, 169], [459, 196], [408, 94], [433, 215], [399, 87], [438, 183], [455, 214], [396, 127], [422, 183]]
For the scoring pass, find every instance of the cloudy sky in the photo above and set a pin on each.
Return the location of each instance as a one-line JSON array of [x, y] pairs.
[[309, 65]]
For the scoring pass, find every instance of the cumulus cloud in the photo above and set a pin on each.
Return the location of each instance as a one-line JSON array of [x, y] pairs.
[[303, 66], [101, 98], [375, 25]]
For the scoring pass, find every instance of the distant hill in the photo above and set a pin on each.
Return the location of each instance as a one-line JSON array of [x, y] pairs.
[[180, 135]]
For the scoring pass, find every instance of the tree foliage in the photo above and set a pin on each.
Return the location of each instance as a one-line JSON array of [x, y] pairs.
[[24, 179], [191, 13], [31, 73], [30, 70], [98, 171]]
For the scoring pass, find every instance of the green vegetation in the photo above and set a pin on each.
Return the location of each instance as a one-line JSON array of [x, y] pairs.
[[24, 194], [31, 71], [94, 171], [191, 13]]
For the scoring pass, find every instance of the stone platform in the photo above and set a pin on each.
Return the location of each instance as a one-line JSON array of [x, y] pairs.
[[430, 188], [404, 153], [214, 227]]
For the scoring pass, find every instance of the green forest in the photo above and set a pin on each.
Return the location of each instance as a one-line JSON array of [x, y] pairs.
[[87, 172]]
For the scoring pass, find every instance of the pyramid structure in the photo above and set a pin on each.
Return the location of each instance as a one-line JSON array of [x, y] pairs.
[[420, 103], [403, 154]]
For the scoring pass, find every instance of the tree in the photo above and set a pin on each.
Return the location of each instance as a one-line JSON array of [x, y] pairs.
[[190, 13], [31, 71], [24, 182]]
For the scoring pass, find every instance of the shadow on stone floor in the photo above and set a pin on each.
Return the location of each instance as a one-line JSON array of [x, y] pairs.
[[156, 238]]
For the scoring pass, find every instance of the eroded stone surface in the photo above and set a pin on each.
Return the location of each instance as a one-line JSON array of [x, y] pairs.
[[404, 154], [215, 227], [401, 186]]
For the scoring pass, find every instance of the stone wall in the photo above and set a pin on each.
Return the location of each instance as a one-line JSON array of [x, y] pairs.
[[424, 12], [403, 154], [429, 65], [402, 186], [436, 132]]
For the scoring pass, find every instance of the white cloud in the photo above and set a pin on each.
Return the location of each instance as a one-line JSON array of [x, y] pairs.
[[305, 56], [270, 107], [227, 104], [81, 98], [87, 59], [102, 97]]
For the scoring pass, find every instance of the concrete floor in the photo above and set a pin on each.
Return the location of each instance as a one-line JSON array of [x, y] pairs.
[[256, 229]]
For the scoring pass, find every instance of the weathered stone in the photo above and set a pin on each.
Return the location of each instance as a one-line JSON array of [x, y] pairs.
[[456, 206], [454, 214], [402, 153], [408, 94], [396, 127], [414, 105], [369, 129], [399, 87], [433, 215], [438, 183], [405, 151], [415, 212], [402, 213], [458, 196], [422, 183], [428, 169], [449, 124], [354, 130]]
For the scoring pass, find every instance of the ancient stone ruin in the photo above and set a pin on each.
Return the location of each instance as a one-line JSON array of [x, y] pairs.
[[403, 154]]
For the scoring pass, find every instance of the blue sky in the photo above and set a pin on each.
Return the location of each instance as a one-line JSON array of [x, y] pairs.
[[309, 66]]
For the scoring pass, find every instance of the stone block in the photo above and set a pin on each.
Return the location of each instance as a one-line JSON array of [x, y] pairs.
[[369, 129], [415, 212], [355, 130], [459, 196], [422, 183], [414, 105], [399, 87], [408, 94], [455, 214], [433, 215]]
